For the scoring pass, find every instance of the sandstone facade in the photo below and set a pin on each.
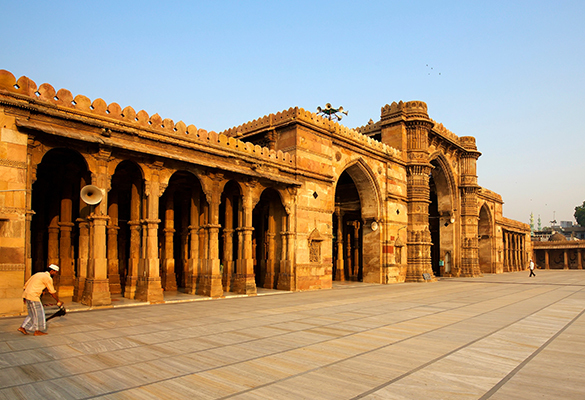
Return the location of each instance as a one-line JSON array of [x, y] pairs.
[[290, 201]]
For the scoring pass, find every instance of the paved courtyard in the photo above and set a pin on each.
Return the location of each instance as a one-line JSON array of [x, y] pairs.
[[496, 337]]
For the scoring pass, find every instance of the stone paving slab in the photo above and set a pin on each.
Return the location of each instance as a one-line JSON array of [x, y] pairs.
[[495, 337]]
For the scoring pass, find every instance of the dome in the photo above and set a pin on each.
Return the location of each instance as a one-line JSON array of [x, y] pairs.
[[557, 237]]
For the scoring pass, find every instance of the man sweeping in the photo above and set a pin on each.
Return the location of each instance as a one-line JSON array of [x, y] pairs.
[[33, 289]]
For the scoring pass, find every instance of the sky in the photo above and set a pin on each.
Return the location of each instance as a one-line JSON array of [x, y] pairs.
[[510, 73]]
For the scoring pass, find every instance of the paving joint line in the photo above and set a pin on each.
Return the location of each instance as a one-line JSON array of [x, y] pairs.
[[320, 342], [379, 387], [284, 351], [512, 373]]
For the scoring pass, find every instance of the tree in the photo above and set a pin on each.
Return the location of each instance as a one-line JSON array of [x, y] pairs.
[[580, 214]]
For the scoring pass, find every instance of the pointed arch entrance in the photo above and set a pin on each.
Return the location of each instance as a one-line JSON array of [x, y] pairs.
[[486, 263], [267, 219], [356, 238], [125, 209], [347, 228], [231, 234], [442, 218], [55, 224], [180, 209]]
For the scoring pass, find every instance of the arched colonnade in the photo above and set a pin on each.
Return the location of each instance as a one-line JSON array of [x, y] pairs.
[[158, 227]]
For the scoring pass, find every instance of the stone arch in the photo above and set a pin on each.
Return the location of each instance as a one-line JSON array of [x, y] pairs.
[[180, 211], [448, 184], [55, 224], [367, 188], [486, 240], [356, 247], [442, 215], [230, 237], [125, 231], [268, 219]]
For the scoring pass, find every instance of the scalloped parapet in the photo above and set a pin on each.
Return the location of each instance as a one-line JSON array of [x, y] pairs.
[[413, 109], [299, 114], [45, 93], [369, 128], [440, 129]]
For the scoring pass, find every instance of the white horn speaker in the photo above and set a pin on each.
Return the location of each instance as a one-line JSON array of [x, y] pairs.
[[91, 194]]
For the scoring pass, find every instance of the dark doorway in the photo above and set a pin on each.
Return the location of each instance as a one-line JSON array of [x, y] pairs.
[[347, 231]]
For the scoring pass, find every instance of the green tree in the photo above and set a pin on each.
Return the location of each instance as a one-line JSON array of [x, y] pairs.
[[580, 214]]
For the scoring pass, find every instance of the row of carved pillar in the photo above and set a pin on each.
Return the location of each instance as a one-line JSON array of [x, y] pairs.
[[347, 257], [149, 266], [514, 252], [566, 264]]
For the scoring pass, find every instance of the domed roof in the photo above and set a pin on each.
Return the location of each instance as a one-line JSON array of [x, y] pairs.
[[557, 237]]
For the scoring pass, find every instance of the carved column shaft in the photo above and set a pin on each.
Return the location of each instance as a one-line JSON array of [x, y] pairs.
[[469, 208], [66, 272], [228, 245], [148, 286], [210, 280], [113, 262], [168, 278], [339, 262], [418, 171], [82, 260], [97, 287], [135, 242]]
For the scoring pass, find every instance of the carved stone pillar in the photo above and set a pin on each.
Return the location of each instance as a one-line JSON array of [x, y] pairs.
[[193, 263], [135, 242], [97, 287], [53, 245], [82, 259], [508, 252], [565, 259], [339, 263], [228, 245], [168, 278], [349, 255], [356, 250], [287, 275], [210, 278], [113, 262], [579, 259], [133, 259], [244, 281], [417, 174], [66, 271], [546, 262], [227, 259], [286, 279], [270, 250], [148, 286], [469, 208]]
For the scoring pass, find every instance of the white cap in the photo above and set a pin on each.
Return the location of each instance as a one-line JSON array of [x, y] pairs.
[[54, 267]]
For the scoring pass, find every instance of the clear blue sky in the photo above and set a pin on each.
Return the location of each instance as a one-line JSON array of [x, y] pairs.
[[510, 73]]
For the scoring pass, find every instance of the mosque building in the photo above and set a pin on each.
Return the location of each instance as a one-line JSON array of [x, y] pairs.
[[133, 205]]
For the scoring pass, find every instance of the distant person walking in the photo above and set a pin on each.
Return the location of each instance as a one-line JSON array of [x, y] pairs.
[[33, 289], [531, 266]]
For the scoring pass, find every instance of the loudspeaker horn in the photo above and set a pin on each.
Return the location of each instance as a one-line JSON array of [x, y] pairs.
[[91, 194]]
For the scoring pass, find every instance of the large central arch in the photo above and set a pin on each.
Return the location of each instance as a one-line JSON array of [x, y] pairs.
[[356, 245], [441, 216], [486, 261]]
